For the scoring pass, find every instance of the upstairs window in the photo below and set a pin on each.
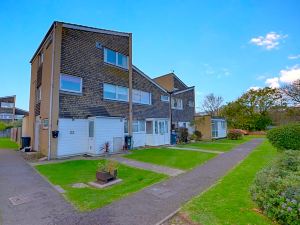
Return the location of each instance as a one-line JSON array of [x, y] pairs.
[[6, 116], [164, 98], [7, 105], [115, 58], [176, 103], [38, 94], [191, 103], [40, 58], [114, 92], [141, 97], [70, 83]]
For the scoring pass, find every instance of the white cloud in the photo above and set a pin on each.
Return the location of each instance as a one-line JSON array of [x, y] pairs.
[[262, 77], [294, 57], [273, 82], [290, 75], [269, 41]]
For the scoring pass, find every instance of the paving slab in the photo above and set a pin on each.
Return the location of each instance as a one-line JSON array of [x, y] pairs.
[[148, 166], [197, 150]]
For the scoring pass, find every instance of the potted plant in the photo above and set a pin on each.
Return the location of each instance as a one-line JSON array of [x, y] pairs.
[[107, 171]]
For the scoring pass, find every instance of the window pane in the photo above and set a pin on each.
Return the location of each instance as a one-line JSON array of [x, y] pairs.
[[122, 60], [123, 93], [110, 56], [156, 127], [164, 98], [70, 83], [91, 128], [136, 96], [109, 91], [135, 126], [125, 126], [149, 126], [166, 126], [145, 97], [7, 105], [142, 126]]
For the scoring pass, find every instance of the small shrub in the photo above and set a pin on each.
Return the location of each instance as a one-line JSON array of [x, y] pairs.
[[285, 137], [193, 137], [276, 189], [107, 166], [183, 134], [234, 135], [198, 135]]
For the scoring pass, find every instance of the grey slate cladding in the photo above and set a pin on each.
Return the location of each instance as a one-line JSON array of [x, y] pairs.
[[80, 57], [187, 114]]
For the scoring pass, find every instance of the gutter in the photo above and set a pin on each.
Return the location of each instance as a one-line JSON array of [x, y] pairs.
[[51, 93]]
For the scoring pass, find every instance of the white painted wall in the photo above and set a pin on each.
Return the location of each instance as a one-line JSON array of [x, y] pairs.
[[139, 139], [106, 128], [72, 137]]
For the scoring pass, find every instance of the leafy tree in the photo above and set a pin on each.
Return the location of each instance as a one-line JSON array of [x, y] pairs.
[[250, 111], [212, 104], [3, 126], [292, 91]]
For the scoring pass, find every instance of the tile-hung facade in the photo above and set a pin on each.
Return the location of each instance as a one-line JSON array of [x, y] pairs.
[[85, 92]]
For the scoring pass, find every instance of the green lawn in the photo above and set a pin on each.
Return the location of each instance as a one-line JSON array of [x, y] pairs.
[[229, 201], [6, 143], [221, 144], [179, 159], [67, 173]]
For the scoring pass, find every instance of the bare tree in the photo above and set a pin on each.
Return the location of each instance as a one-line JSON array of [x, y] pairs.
[[292, 91], [212, 104]]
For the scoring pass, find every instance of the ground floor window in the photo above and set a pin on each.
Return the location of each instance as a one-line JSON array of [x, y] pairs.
[[138, 126], [214, 129]]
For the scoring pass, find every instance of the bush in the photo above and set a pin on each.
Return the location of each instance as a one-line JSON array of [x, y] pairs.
[[183, 134], [276, 189], [285, 137], [234, 134], [198, 135]]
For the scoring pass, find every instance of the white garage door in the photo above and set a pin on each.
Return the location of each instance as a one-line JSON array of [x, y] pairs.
[[72, 138]]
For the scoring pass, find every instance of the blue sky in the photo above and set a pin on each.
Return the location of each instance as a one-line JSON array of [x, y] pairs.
[[223, 47]]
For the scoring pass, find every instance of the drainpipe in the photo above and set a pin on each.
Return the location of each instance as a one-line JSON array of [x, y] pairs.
[[51, 94], [170, 112], [130, 86]]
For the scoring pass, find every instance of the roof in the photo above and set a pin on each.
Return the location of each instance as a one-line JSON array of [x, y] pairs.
[[77, 27], [174, 76], [21, 112]]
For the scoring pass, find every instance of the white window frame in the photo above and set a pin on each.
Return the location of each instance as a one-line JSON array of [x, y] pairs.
[[138, 124], [6, 116], [8, 105], [167, 98], [117, 59], [180, 107], [67, 90], [140, 94], [117, 93]]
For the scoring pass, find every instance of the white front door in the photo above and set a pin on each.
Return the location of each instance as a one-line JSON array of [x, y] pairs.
[[91, 136], [37, 133]]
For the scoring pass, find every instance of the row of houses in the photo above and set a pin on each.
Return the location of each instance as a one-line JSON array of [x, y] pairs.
[[86, 94]]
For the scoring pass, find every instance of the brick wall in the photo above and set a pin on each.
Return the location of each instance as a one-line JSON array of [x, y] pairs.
[[187, 113]]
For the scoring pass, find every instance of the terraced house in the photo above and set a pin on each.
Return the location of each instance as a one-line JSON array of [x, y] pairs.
[[8, 110], [86, 93]]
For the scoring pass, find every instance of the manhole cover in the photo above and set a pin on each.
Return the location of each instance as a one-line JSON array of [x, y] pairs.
[[18, 200], [161, 192]]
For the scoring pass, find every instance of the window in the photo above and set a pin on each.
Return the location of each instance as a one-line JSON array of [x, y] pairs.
[[115, 58], [45, 124], [138, 126], [176, 103], [7, 105], [6, 116], [114, 92], [91, 129], [223, 125], [126, 126], [164, 98], [166, 126], [141, 97], [70, 83], [41, 58], [38, 95], [156, 127], [191, 103], [214, 129]]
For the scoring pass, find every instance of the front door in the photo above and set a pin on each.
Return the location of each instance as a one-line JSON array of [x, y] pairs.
[[37, 133], [92, 136]]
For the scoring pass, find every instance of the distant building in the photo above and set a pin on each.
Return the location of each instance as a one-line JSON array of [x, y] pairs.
[[211, 127], [8, 110]]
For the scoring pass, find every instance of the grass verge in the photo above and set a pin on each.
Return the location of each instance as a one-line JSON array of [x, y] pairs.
[[6, 143], [173, 158], [83, 171], [229, 201]]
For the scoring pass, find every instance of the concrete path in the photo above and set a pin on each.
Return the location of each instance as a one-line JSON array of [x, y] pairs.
[[197, 150], [148, 166], [153, 204], [36, 202], [45, 206]]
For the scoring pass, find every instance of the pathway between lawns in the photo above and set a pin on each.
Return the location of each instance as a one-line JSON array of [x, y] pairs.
[[147, 207], [148, 166]]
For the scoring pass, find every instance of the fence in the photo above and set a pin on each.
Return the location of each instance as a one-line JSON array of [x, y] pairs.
[[5, 133], [16, 134]]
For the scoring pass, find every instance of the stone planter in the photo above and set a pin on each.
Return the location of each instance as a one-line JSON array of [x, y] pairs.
[[104, 177]]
